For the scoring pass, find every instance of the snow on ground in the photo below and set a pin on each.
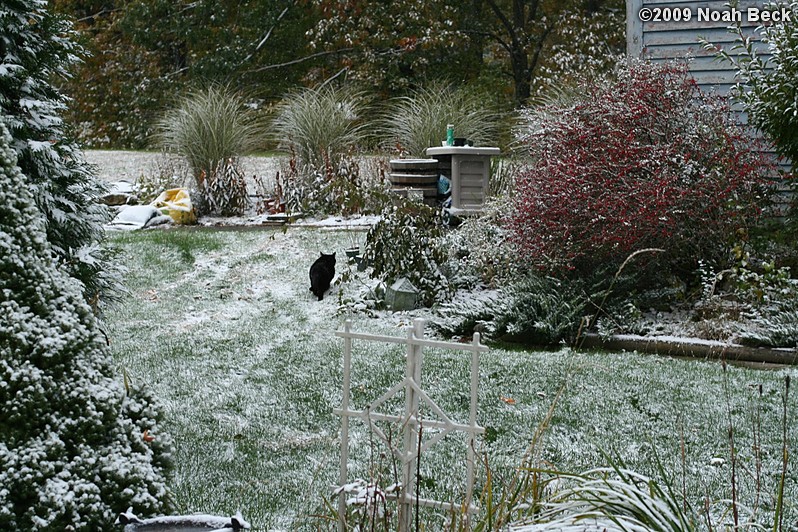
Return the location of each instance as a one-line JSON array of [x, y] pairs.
[[222, 327], [113, 165]]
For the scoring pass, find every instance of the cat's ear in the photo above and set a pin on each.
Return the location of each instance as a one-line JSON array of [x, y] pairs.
[[321, 253], [333, 255]]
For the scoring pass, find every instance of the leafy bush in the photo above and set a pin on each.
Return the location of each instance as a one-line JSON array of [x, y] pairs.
[[480, 251], [537, 309], [542, 310], [470, 312], [320, 125], [406, 243], [211, 128], [414, 123], [766, 85], [341, 186], [644, 161], [755, 292]]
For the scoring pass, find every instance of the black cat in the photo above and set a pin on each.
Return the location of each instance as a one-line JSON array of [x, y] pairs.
[[321, 275]]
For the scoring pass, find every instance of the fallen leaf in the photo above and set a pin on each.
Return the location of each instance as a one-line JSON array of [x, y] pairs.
[[508, 400]]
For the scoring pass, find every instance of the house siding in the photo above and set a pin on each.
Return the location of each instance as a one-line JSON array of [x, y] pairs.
[[663, 41], [681, 40]]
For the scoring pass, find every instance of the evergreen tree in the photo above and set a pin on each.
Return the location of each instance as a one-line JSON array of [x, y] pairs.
[[36, 48], [77, 443]]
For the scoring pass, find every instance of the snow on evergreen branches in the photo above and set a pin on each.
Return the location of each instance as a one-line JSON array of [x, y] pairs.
[[72, 453], [36, 47]]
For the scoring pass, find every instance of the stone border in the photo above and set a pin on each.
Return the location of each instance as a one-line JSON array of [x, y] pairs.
[[686, 347]]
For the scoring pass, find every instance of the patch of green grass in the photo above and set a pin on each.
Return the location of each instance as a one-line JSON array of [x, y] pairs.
[[222, 326]]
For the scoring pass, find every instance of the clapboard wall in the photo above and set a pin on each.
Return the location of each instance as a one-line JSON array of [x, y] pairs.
[[681, 40], [661, 40]]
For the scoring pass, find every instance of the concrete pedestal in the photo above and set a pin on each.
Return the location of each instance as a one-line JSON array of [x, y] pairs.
[[468, 169]]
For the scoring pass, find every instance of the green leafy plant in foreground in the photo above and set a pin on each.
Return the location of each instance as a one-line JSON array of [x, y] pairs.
[[406, 243]]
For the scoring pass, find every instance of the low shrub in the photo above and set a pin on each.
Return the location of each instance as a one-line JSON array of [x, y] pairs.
[[644, 161], [542, 310], [225, 191], [480, 251], [341, 186], [406, 242], [537, 309]]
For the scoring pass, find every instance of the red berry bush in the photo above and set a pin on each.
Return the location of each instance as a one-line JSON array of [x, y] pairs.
[[646, 160]]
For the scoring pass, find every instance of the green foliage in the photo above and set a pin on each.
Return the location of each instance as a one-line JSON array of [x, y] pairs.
[[211, 128], [320, 125], [767, 87], [755, 293], [414, 123], [480, 251], [37, 52], [542, 310], [406, 242], [78, 443], [611, 498], [536, 310], [343, 186]]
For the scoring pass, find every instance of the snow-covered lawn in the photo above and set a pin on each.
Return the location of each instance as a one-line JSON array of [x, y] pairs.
[[222, 326], [116, 165]]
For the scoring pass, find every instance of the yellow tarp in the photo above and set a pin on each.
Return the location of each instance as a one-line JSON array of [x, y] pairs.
[[176, 202]]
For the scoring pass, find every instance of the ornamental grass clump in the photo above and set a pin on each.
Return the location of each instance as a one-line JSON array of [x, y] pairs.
[[644, 161], [78, 442], [211, 129], [319, 126], [416, 122]]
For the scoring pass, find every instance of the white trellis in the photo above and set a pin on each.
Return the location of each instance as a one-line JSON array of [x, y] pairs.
[[410, 419]]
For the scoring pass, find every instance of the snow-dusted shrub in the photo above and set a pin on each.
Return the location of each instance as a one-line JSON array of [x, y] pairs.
[[319, 125], [536, 309], [78, 442], [469, 312], [211, 128], [645, 161], [406, 242], [414, 123], [225, 192], [344, 185], [480, 250], [542, 310], [761, 298], [37, 49]]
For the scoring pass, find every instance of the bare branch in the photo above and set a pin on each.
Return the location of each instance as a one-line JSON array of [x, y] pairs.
[[300, 60]]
